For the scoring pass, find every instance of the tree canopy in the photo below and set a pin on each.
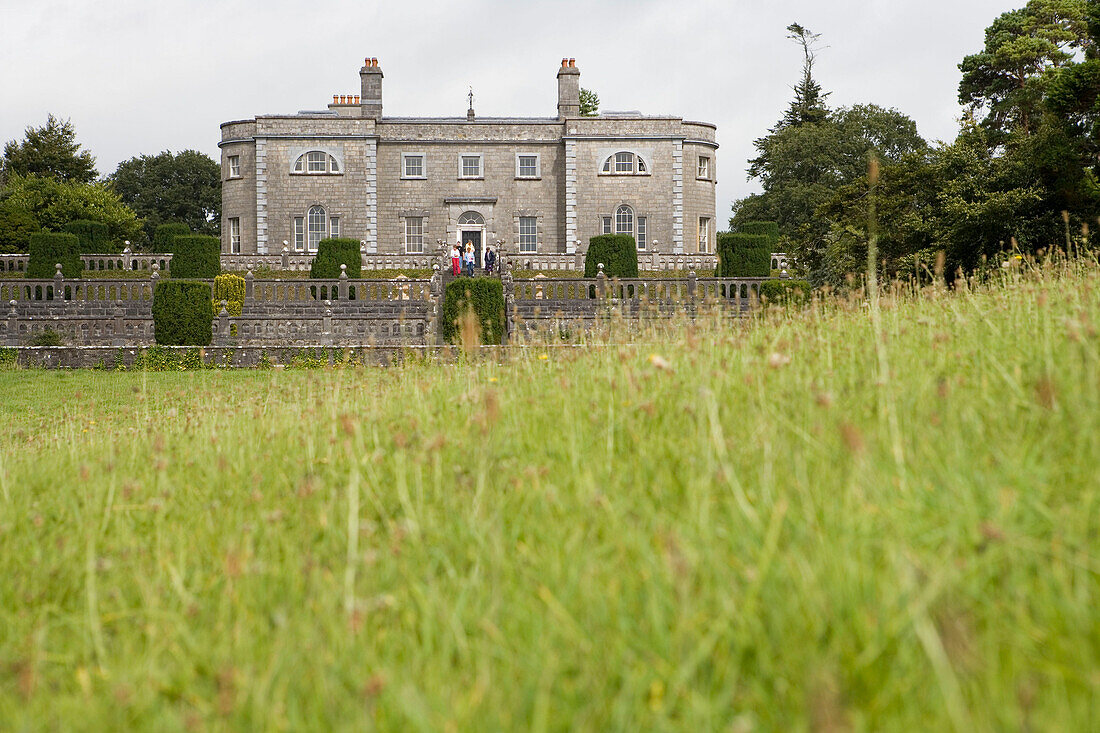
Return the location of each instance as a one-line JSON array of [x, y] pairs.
[[50, 151], [53, 204], [183, 187], [590, 103]]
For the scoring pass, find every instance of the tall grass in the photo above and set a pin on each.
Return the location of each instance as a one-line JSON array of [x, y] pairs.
[[701, 526]]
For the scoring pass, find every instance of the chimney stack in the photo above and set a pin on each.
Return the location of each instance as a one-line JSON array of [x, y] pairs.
[[569, 89], [371, 77]]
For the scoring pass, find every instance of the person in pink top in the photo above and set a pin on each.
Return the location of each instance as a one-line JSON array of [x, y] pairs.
[[455, 263]]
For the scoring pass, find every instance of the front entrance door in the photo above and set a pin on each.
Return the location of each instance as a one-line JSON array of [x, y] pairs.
[[472, 236]]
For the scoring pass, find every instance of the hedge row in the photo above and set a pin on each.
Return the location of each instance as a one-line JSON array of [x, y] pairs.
[[744, 255], [183, 313], [333, 252], [617, 252], [47, 249], [485, 297], [196, 256], [165, 233], [785, 292], [94, 236]]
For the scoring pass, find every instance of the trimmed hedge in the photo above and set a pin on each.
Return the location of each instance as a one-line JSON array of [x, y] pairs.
[[333, 252], [16, 227], [49, 248], [183, 313], [786, 292], [769, 229], [229, 288], [617, 252], [165, 233], [486, 297], [196, 256], [743, 255], [95, 236]]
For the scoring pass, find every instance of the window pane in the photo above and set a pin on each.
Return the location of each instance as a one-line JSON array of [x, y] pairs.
[[414, 234], [299, 233], [471, 165], [624, 220], [235, 235], [641, 232], [334, 226], [704, 233], [528, 233], [414, 165], [528, 166], [641, 165], [624, 162], [333, 164], [234, 166], [317, 227], [298, 164], [704, 167], [607, 166], [316, 162], [607, 225]]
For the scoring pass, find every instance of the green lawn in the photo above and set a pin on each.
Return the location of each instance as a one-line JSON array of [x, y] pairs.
[[711, 528]]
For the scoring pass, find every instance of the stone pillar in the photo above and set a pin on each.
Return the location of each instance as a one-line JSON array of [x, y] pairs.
[[13, 324], [286, 257], [326, 325], [120, 325], [343, 286], [58, 283], [601, 282], [248, 278], [222, 338]]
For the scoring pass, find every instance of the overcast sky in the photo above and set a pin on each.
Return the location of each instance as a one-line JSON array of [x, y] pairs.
[[142, 76]]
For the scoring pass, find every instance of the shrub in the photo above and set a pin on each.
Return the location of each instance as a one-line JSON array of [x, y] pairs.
[[165, 233], [48, 337], [197, 256], [16, 227], [769, 229], [485, 296], [333, 252], [229, 288], [94, 236], [617, 252], [743, 255], [49, 248], [183, 313], [785, 292]]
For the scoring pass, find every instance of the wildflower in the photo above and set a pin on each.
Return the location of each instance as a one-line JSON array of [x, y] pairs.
[[660, 362], [492, 379], [543, 357], [777, 360]]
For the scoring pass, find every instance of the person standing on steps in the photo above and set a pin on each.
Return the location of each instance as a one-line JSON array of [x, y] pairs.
[[455, 266], [469, 259], [490, 259]]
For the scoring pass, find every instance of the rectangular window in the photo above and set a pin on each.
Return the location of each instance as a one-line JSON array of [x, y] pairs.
[[414, 165], [334, 226], [235, 236], [299, 233], [607, 225], [641, 232], [470, 166], [527, 166], [234, 166], [317, 162], [528, 234], [704, 168], [704, 234], [414, 234]]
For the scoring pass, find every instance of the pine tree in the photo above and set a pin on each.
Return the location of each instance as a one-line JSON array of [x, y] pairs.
[[50, 151]]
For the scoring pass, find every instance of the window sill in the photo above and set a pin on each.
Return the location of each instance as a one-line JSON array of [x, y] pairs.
[[528, 178], [234, 178], [414, 178], [471, 178], [316, 174], [624, 175], [708, 180]]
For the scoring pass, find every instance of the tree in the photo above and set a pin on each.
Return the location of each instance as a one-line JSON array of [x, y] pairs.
[[50, 151], [807, 107], [590, 103], [806, 164], [16, 228], [53, 204], [185, 187], [1008, 79]]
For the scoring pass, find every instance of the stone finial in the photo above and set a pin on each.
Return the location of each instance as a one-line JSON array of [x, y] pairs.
[[436, 267], [691, 273], [344, 271], [155, 268], [126, 250], [225, 309], [285, 247], [12, 311], [57, 270], [599, 266]]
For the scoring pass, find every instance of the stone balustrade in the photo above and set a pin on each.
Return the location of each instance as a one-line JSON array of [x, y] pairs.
[[123, 261]]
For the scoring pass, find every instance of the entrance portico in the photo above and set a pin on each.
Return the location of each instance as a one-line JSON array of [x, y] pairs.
[[470, 220]]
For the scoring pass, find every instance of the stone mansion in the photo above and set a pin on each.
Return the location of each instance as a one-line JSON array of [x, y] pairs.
[[404, 185]]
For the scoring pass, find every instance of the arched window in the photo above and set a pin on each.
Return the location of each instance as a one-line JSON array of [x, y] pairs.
[[318, 226], [624, 220], [471, 218], [316, 162], [624, 163]]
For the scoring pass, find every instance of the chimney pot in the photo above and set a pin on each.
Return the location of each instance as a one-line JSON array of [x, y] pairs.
[[564, 63], [572, 63], [366, 61], [334, 98]]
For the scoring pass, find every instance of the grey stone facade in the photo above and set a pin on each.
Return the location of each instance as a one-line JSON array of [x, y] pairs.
[[361, 183]]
